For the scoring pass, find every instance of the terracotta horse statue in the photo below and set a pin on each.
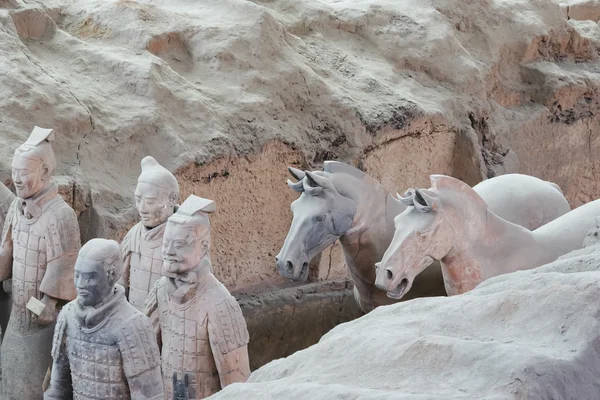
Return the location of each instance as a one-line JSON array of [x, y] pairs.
[[452, 223], [342, 202]]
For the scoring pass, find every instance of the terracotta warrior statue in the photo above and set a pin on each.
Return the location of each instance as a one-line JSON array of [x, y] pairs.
[[198, 322], [40, 241], [156, 197], [103, 348]]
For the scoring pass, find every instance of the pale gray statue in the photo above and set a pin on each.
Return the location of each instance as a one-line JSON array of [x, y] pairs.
[[342, 202]]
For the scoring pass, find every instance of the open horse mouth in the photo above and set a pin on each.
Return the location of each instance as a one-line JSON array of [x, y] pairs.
[[397, 293]]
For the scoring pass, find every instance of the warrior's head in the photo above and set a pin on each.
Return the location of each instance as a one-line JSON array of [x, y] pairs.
[[187, 237], [98, 268], [34, 163], [156, 194]]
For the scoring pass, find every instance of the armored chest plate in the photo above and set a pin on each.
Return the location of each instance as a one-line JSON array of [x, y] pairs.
[[29, 267], [186, 348], [146, 264]]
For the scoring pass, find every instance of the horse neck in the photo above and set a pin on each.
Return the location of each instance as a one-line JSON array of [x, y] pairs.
[[370, 235], [486, 245]]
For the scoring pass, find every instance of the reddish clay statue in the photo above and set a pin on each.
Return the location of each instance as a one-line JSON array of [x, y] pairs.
[[103, 348], [452, 223], [200, 325], [40, 241], [156, 198]]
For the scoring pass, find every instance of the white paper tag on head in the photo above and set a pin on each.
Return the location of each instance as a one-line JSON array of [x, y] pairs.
[[35, 306]]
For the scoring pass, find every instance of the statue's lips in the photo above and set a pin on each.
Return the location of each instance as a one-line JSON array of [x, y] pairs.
[[399, 291]]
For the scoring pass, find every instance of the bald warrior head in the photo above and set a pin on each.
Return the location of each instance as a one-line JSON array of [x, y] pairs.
[[97, 270]]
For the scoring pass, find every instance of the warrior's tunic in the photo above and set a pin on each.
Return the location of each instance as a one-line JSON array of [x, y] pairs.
[[142, 254], [42, 234], [105, 353], [202, 324]]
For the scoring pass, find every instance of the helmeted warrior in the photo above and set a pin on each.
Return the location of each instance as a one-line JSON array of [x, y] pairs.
[[103, 348], [39, 246], [198, 322], [156, 197]]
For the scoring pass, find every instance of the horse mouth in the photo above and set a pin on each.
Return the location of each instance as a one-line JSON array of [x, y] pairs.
[[302, 275], [398, 292]]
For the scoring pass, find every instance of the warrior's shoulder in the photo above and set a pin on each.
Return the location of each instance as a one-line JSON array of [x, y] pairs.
[[58, 214], [227, 325], [131, 238], [136, 341]]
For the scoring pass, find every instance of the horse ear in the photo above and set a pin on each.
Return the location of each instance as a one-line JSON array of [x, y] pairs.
[[296, 186], [315, 180], [296, 173], [407, 198], [423, 201]]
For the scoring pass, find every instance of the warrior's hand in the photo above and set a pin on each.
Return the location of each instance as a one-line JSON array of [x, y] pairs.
[[50, 312]]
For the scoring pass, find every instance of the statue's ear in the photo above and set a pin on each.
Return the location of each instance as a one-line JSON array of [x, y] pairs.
[[424, 200], [173, 197], [45, 173]]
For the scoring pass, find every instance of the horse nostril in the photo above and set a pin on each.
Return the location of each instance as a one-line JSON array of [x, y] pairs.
[[288, 266], [304, 269], [389, 274]]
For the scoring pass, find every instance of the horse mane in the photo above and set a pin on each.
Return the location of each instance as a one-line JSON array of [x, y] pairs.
[[336, 167], [444, 182]]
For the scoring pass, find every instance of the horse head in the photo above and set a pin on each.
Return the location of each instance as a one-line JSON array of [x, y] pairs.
[[423, 233], [320, 216]]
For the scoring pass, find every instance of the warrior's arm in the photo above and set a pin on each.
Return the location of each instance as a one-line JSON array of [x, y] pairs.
[[6, 257], [124, 281], [126, 254], [233, 366], [62, 245], [151, 311], [141, 360], [60, 380], [229, 338]]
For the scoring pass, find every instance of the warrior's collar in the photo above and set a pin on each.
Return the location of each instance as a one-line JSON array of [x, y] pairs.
[[154, 236], [93, 318], [184, 287], [33, 207]]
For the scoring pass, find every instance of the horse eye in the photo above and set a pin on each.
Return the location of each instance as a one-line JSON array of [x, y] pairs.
[[320, 218], [424, 233]]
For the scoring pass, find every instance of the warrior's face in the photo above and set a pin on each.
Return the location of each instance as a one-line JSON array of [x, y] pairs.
[[154, 204], [92, 282], [182, 249], [29, 175]]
